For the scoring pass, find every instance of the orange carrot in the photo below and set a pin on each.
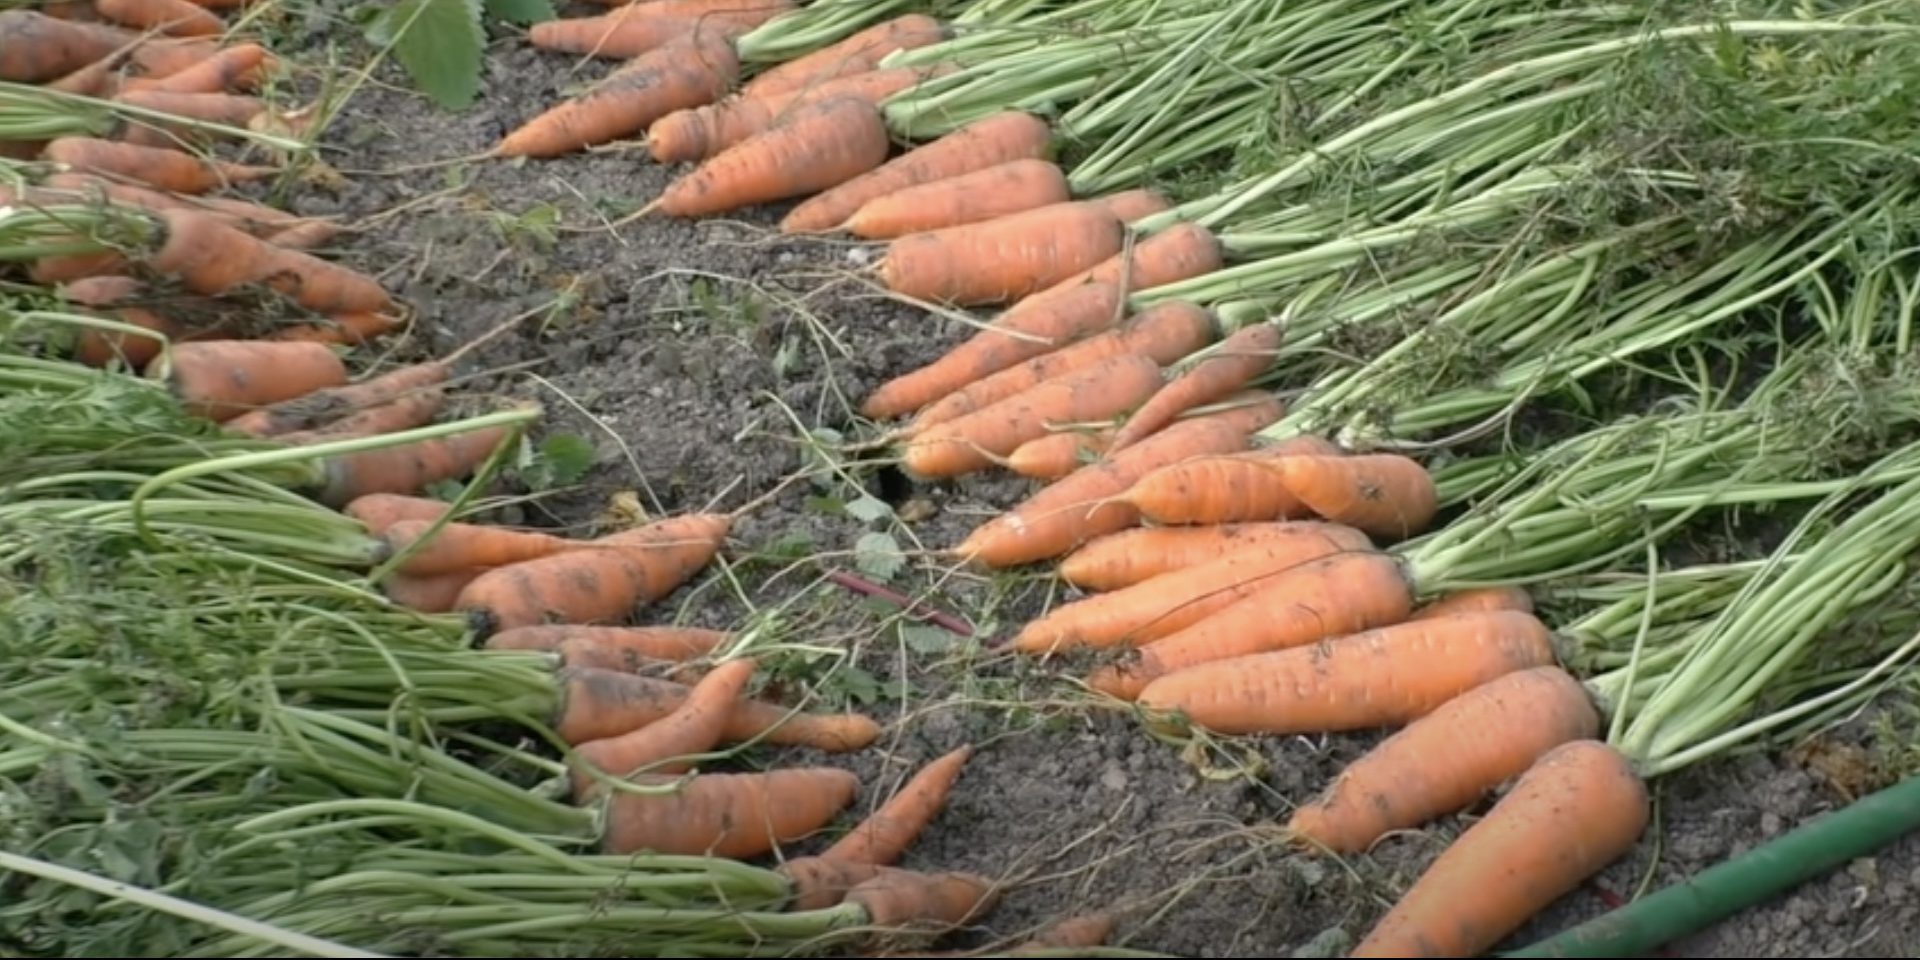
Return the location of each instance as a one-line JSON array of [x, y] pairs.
[[607, 703], [693, 69], [818, 883], [223, 108], [346, 329], [429, 594], [1219, 374], [165, 56], [1164, 332], [407, 467], [120, 295], [1131, 556], [1085, 504], [211, 258], [252, 217], [703, 132], [378, 512], [462, 546], [304, 234], [1476, 599], [661, 747], [631, 31], [1004, 259], [1058, 454], [35, 48], [1164, 605], [155, 167], [997, 139], [406, 413], [237, 67], [996, 191], [1447, 760], [1578, 809], [816, 147], [973, 441], [81, 10], [1180, 252], [885, 834], [858, 53], [321, 406], [97, 79], [1382, 493], [48, 271], [178, 18], [653, 643], [897, 899], [1382, 676], [220, 379], [604, 582], [1131, 205], [1226, 489], [728, 815], [1088, 930]]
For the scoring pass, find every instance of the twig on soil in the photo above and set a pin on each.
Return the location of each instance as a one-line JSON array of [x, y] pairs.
[[945, 621]]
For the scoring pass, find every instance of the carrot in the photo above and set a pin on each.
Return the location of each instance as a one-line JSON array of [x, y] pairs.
[[1058, 454], [407, 467], [1085, 504], [211, 258], [305, 234], [1334, 595], [406, 413], [155, 167], [220, 379], [1446, 760], [1087, 930], [1000, 190], [819, 146], [858, 53], [997, 139], [1226, 489], [605, 580], [885, 834], [817, 882], [1578, 809], [905, 899], [698, 9], [48, 271], [1180, 252], [1131, 556], [346, 329], [693, 69], [311, 410], [606, 703], [238, 67], [378, 512], [252, 217], [694, 727], [702, 132], [461, 546], [429, 594], [178, 18], [97, 79], [728, 815], [675, 644], [971, 442], [1131, 205], [120, 296], [223, 108], [81, 10], [1239, 359], [632, 31], [35, 48], [1005, 258], [1164, 332], [1163, 605], [1382, 493], [1476, 599]]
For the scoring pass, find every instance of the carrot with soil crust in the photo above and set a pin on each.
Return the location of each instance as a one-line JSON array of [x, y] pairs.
[[210, 257], [1000, 190], [406, 413], [819, 146], [696, 68], [378, 512], [1578, 809], [1058, 454], [885, 834], [178, 18], [220, 379], [727, 815], [694, 728], [1448, 759], [1235, 488], [429, 594], [972, 442], [35, 48], [676, 644], [603, 581], [311, 410], [1166, 604], [120, 295], [407, 467], [254, 218], [461, 546], [1131, 556], [1476, 599], [1132, 205], [156, 167], [997, 139], [858, 53], [238, 67], [1240, 358], [596, 704], [700, 133], [1004, 259]]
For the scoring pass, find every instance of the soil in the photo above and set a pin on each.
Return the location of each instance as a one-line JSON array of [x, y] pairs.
[[710, 363]]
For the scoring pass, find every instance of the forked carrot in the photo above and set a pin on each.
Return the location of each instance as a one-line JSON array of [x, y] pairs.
[[431, 594], [220, 379], [1000, 138], [1476, 599], [1373, 676], [604, 581], [696, 68], [1000, 190], [1058, 454], [1164, 605], [816, 147], [314, 409], [634, 30], [405, 413], [1447, 760], [607, 703], [378, 512], [663, 746], [1219, 374], [653, 643], [1234, 488], [703, 132], [1385, 494], [462, 546], [1131, 205], [155, 167], [886, 833], [974, 441], [1003, 259], [407, 467], [858, 53], [727, 815], [1578, 809], [178, 18], [35, 48], [1123, 559]]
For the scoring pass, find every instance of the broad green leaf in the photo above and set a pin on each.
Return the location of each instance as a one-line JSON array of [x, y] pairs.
[[878, 556], [568, 458], [520, 11], [439, 43], [921, 638], [869, 508]]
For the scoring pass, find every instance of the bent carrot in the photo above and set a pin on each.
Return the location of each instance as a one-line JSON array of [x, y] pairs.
[[885, 834], [174, 17], [311, 410], [1003, 259], [1238, 360], [1123, 559], [407, 467], [696, 68], [728, 815], [859, 53], [378, 512], [1476, 599], [703, 132], [1240, 487], [220, 379], [1385, 494], [155, 167], [429, 594], [605, 580], [635, 29], [1164, 605], [897, 899], [661, 747], [817, 882], [406, 413], [974, 441], [996, 139], [237, 67], [1000, 190], [461, 546], [1131, 205], [1520, 857], [35, 48], [1446, 760], [823, 144], [676, 644], [1058, 454], [607, 703]]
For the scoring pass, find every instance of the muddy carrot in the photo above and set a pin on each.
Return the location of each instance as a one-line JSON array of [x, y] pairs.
[[1086, 503], [662, 746], [1226, 489], [697, 68], [653, 643], [1123, 559], [406, 413], [1219, 374], [858, 53], [461, 546], [728, 815], [252, 217], [1058, 454], [603, 583], [429, 594], [1004, 259], [314, 409], [817, 882], [120, 296], [703, 132], [1131, 205], [220, 379], [1164, 605], [885, 834], [178, 18], [1476, 599], [35, 48], [234, 68], [904, 899], [996, 139], [1385, 494], [974, 441], [211, 258], [407, 467], [817, 147], [996, 191], [1447, 760], [607, 703], [155, 167], [378, 512], [1578, 809]]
